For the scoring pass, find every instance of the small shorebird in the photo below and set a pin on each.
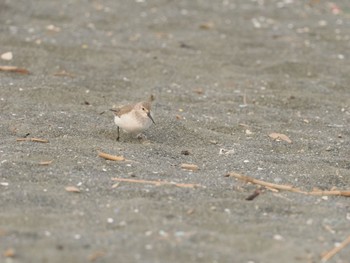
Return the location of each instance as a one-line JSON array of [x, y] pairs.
[[134, 118]]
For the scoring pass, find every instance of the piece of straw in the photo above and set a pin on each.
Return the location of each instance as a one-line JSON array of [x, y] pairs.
[[290, 188], [157, 183]]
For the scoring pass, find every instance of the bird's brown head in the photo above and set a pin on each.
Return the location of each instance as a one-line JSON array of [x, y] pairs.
[[145, 108]]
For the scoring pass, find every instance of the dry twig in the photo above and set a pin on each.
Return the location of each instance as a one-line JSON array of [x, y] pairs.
[[157, 183], [329, 254], [45, 162], [110, 157], [96, 255], [330, 192], [9, 253], [14, 69], [191, 167], [290, 188], [72, 189], [32, 140]]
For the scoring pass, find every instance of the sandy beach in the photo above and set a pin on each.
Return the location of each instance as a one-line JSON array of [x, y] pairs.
[[258, 88]]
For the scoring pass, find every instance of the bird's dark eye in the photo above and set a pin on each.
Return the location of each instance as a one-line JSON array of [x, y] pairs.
[[143, 109]]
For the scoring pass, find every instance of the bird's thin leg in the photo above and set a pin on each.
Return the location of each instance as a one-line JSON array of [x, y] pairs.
[[118, 134]]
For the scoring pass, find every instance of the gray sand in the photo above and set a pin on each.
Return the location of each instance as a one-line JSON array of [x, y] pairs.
[[225, 75]]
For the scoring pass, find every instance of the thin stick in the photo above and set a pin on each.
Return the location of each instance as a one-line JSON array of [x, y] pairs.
[[335, 250], [263, 183], [45, 162], [110, 157], [32, 140], [290, 188], [14, 69], [333, 192], [191, 167], [157, 183]]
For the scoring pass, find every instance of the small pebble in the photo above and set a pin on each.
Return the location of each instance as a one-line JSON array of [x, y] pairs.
[[277, 180], [348, 216], [163, 233], [309, 221], [179, 233], [248, 132], [185, 152], [7, 56], [278, 237], [149, 247], [148, 233], [122, 223], [322, 23]]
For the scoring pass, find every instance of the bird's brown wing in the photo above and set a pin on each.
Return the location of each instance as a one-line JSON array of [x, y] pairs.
[[122, 110]]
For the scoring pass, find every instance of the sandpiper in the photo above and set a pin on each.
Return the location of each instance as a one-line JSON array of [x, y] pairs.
[[134, 118]]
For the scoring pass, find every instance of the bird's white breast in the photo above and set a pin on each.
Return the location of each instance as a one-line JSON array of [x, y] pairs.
[[131, 123]]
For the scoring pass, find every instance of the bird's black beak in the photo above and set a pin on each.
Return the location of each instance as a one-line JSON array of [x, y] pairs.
[[149, 116]]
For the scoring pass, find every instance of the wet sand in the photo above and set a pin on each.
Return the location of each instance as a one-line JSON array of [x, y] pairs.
[[225, 75]]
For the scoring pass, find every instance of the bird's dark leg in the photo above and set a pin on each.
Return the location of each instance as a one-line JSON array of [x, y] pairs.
[[118, 134]]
